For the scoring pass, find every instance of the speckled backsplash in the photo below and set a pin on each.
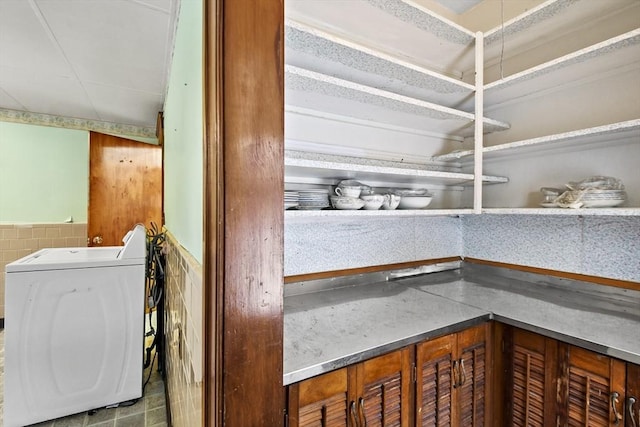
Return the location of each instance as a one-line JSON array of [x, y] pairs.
[[328, 244], [20, 240], [598, 246], [184, 331]]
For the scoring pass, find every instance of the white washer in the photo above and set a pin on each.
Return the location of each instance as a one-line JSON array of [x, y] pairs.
[[74, 326]]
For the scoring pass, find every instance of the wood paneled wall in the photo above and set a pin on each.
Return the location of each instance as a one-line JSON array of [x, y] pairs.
[[243, 230]]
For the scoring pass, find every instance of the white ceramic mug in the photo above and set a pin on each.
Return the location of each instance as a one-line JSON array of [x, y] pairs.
[[348, 191]]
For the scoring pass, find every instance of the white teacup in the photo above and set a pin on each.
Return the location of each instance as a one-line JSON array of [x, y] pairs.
[[391, 201], [372, 202], [348, 191]]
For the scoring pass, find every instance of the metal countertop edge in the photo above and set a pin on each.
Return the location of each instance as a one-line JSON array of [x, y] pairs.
[[322, 368], [332, 365], [570, 339]]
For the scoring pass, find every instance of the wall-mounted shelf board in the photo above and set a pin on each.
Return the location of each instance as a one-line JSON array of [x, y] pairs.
[[301, 170], [400, 28], [319, 51], [611, 135], [558, 211], [618, 53], [332, 213], [308, 89], [550, 19]]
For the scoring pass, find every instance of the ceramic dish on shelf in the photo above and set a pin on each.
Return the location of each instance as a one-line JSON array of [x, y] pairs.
[[410, 192], [313, 199], [549, 205], [602, 203], [414, 202], [346, 203], [372, 202]]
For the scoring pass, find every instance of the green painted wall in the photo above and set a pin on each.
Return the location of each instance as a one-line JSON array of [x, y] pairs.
[[44, 174], [183, 125]]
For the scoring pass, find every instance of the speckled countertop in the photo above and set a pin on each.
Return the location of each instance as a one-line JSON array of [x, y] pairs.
[[333, 328]]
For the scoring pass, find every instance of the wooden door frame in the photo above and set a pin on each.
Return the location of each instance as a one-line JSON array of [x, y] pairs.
[[243, 212]]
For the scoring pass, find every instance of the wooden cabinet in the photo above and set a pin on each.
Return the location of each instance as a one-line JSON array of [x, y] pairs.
[[384, 390], [449, 381], [531, 372], [377, 392], [545, 382], [451, 384], [320, 401], [632, 401], [451, 387], [592, 388]]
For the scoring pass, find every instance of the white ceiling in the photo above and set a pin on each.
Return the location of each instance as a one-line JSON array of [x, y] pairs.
[[100, 60]]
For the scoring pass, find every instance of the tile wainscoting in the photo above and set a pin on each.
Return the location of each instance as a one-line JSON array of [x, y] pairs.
[[20, 240], [184, 331]]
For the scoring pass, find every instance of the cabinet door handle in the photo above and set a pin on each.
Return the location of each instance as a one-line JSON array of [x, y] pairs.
[[323, 415], [456, 375], [614, 405], [354, 414], [363, 416], [630, 402], [463, 373]]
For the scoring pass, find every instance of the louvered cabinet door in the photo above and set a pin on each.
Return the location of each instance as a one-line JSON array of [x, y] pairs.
[[385, 390], [533, 380], [632, 401], [320, 401], [472, 376], [595, 389], [434, 382]]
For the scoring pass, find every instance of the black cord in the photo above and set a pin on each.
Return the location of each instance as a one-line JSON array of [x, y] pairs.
[[150, 372]]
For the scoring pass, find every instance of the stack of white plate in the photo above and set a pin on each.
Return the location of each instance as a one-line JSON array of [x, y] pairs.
[[591, 198], [290, 199], [313, 199], [602, 198]]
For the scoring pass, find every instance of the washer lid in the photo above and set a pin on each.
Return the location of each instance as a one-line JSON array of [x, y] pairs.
[[67, 258]]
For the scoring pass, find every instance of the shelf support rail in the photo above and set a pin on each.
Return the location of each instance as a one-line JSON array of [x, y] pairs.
[[478, 128]]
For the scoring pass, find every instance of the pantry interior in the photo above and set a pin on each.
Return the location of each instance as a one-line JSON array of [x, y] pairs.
[[557, 87], [394, 99]]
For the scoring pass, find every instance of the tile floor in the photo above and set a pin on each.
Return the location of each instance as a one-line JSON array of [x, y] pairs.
[[149, 411]]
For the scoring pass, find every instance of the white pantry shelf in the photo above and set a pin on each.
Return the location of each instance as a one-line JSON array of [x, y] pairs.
[[324, 172], [334, 213], [400, 28], [613, 55], [309, 89], [319, 51], [610, 134], [559, 211]]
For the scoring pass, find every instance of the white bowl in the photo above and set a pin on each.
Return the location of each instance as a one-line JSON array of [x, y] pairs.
[[414, 202], [372, 202], [346, 203]]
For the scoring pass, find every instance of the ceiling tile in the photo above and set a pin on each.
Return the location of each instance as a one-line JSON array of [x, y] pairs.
[[48, 94], [6, 101], [120, 105], [24, 42], [122, 43]]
